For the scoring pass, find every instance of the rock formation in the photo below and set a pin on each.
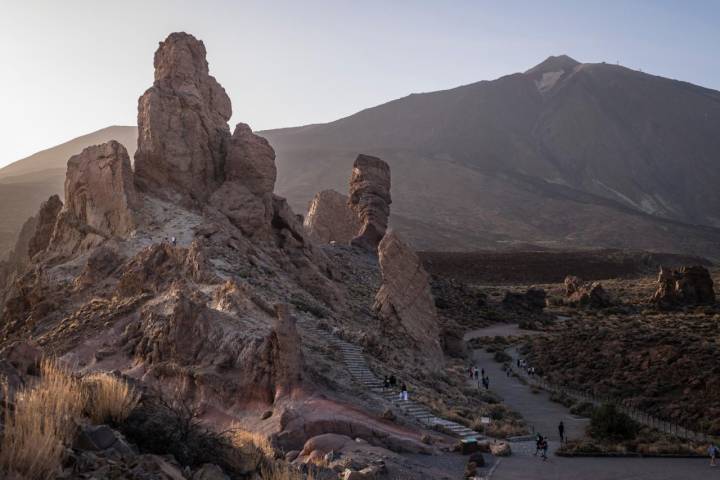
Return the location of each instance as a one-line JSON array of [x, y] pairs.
[[329, 218], [182, 124], [246, 196], [370, 199], [687, 286], [287, 347], [584, 294], [46, 220], [100, 199], [404, 302]]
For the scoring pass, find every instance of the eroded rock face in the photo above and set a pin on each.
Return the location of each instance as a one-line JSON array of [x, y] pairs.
[[687, 286], [584, 294], [330, 219], [287, 357], [370, 199], [46, 219], [100, 199], [183, 134], [404, 301]]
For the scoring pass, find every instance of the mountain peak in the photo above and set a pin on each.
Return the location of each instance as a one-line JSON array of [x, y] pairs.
[[554, 64]]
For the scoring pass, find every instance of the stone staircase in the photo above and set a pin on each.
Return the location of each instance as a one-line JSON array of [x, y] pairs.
[[355, 362]]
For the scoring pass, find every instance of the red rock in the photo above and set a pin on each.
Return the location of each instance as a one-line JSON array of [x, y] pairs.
[[686, 286], [100, 199], [46, 219], [183, 134], [329, 219], [370, 199], [404, 302]]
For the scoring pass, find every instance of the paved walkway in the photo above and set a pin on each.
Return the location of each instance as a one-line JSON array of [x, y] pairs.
[[544, 415]]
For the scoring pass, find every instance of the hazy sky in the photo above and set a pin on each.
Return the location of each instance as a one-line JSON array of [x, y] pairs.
[[71, 67]]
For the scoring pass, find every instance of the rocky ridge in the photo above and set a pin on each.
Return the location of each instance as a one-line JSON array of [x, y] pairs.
[[178, 275]]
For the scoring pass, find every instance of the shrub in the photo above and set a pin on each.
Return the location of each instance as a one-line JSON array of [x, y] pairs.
[[41, 423], [562, 398], [502, 357], [110, 399], [583, 409], [608, 423]]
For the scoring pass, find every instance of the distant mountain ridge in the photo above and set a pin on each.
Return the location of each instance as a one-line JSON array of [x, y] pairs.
[[565, 154]]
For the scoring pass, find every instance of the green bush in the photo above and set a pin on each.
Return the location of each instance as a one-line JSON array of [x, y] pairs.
[[608, 423]]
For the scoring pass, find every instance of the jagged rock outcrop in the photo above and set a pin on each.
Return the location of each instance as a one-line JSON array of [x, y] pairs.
[[46, 219], [584, 294], [330, 219], [404, 302], [100, 199], [370, 199], [691, 285], [183, 134]]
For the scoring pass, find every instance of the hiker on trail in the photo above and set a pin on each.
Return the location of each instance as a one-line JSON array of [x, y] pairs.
[[518, 363], [403, 392], [561, 431], [483, 372], [538, 444], [174, 241], [471, 371], [393, 380], [544, 448], [386, 382], [476, 373], [713, 453]]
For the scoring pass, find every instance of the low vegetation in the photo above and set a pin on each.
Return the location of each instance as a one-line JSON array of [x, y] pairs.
[[41, 423]]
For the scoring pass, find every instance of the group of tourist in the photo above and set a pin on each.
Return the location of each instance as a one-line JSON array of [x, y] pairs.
[[391, 382], [523, 365], [479, 376]]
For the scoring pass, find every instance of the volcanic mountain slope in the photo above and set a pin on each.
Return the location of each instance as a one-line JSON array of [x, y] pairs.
[[26, 183], [565, 154]]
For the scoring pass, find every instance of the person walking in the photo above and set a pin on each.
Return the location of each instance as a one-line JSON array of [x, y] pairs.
[[403, 393], [386, 382], [561, 431], [393, 381], [713, 453], [174, 241], [538, 442], [544, 449]]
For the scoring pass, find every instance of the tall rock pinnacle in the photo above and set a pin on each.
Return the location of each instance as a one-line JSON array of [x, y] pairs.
[[370, 199], [183, 134]]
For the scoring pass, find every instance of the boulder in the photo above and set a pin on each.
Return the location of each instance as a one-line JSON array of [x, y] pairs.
[[46, 219], [100, 199], [209, 471], [370, 200], [183, 134], [330, 219], [95, 437], [500, 449], [583, 294], [690, 285], [404, 302]]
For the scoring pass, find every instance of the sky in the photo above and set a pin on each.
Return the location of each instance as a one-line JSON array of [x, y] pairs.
[[71, 67]]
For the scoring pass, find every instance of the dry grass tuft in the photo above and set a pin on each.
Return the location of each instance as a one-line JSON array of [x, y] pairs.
[[109, 398], [41, 424]]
